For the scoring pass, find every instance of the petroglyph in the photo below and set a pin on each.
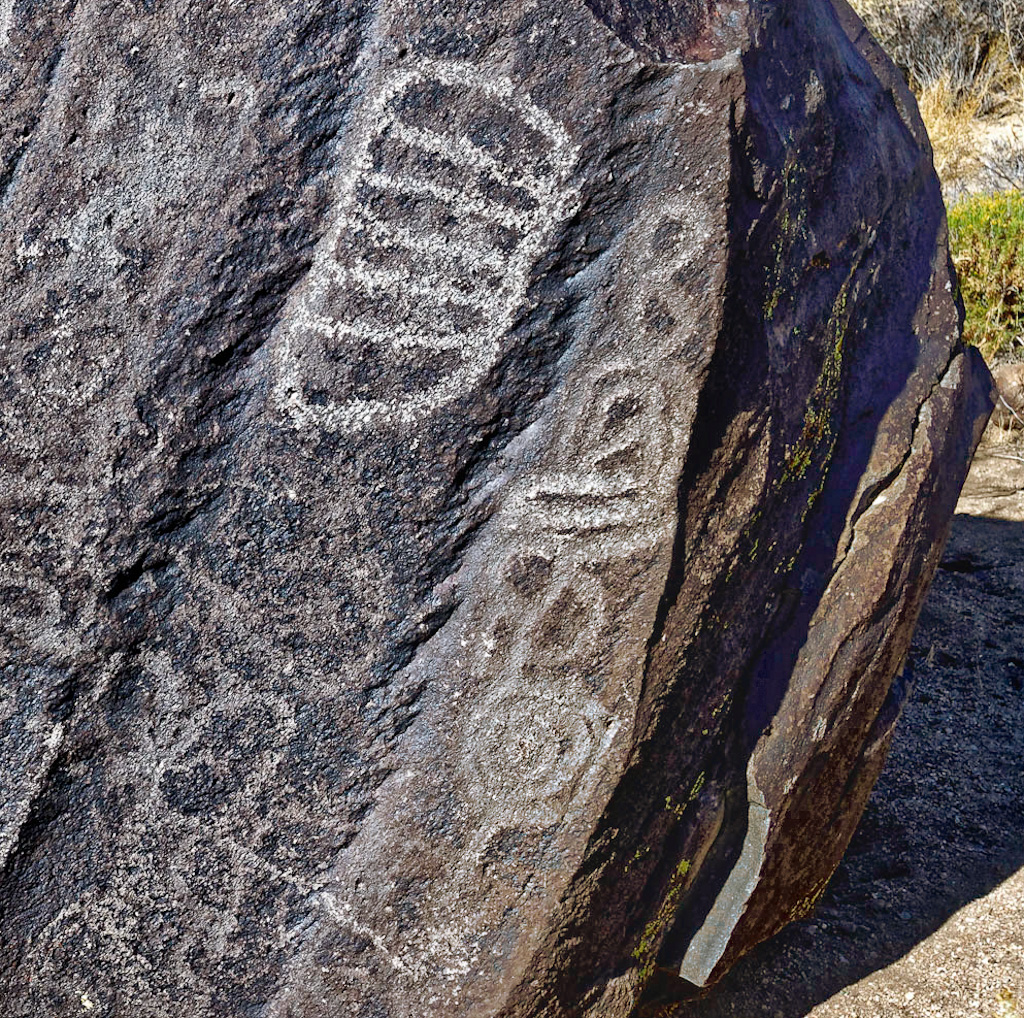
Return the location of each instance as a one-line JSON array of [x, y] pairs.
[[616, 449], [594, 508], [541, 675], [547, 739], [429, 255], [6, 21], [603, 503]]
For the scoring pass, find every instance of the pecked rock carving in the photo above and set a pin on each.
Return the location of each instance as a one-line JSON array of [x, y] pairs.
[[440, 219], [469, 476]]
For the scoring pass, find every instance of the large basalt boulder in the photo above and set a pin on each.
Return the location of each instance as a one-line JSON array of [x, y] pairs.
[[469, 475]]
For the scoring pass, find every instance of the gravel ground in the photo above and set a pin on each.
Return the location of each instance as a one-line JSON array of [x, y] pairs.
[[925, 916]]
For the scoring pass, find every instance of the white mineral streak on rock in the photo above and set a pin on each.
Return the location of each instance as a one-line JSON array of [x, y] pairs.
[[710, 941], [361, 299], [14, 812]]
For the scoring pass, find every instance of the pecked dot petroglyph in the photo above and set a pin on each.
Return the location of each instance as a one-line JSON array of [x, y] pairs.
[[428, 258], [597, 505]]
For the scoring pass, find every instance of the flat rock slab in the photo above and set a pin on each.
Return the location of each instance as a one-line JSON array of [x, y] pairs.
[[995, 484], [469, 476]]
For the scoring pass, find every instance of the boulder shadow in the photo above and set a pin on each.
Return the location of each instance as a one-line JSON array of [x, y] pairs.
[[945, 823]]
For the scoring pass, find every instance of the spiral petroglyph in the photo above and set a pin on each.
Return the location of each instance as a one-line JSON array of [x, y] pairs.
[[429, 255], [547, 738]]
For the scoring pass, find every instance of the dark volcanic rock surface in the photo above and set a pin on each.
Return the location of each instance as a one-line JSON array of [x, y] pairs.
[[923, 916], [469, 476]]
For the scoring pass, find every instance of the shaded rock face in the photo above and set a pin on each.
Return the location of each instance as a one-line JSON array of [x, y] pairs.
[[470, 473]]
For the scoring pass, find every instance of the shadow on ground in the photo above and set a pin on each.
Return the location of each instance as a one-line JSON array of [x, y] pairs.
[[946, 822]]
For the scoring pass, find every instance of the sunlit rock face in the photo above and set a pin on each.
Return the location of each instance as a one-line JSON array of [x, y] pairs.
[[469, 475]]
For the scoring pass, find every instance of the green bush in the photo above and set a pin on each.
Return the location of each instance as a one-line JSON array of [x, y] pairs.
[[986, 235]]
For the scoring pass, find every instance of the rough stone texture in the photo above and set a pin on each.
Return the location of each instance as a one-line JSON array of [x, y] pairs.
[[470, 473], [924, 917], [1009, 383]]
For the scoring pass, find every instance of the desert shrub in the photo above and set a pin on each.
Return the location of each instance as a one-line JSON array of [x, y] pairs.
[[987, 241], [973, 47], [965, 61]]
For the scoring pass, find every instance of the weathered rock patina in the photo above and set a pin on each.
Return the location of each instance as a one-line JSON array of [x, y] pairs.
[[469, 475]]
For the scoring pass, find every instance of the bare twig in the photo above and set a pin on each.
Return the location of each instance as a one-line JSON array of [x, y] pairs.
[[1002, 399], [1005, 163], [1012, 30]]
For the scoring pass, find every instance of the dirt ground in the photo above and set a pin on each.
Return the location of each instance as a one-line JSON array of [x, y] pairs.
[[925, 916]]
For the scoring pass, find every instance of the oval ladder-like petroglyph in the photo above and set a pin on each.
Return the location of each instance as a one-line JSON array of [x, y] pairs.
[[458, 184]]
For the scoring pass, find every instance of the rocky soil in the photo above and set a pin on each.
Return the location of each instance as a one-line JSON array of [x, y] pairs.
[[925, 916]]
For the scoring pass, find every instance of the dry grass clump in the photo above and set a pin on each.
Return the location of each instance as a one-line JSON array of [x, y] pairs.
[[952, 122], [973, 46], [986, 234], [965, 61]]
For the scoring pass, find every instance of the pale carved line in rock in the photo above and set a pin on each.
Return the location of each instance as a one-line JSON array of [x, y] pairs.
[[583, 519], [356, 229], [602, 531], [581, 516]]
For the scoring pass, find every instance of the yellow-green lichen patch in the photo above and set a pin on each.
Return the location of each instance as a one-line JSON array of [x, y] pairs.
[[783, 272], [752, 550], [646, 951], [817, 436], [697, 786], [677, 809], [640, 853], [805, 906]]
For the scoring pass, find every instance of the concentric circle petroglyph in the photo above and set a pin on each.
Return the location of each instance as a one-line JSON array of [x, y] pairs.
[[429, 256], [522, 750]]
